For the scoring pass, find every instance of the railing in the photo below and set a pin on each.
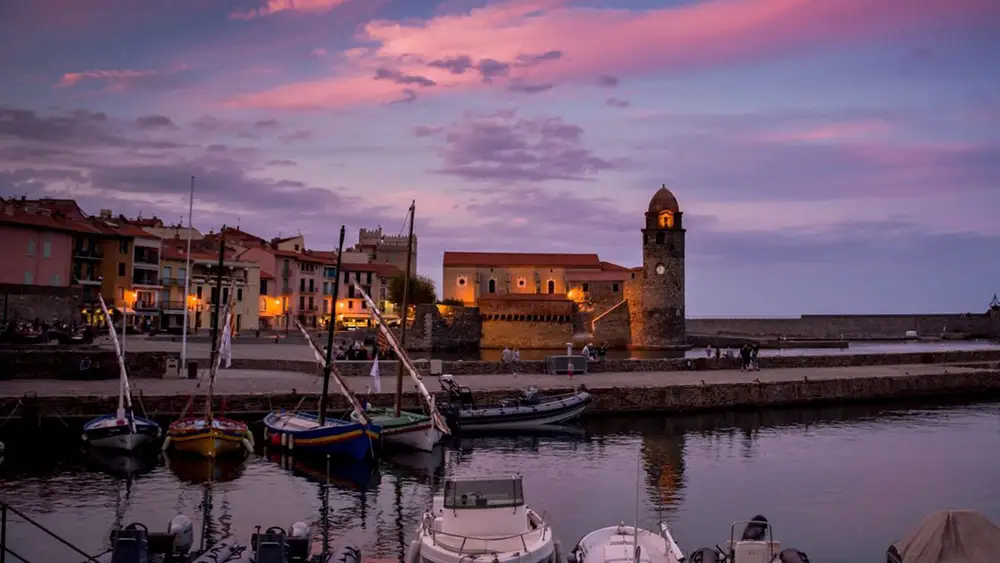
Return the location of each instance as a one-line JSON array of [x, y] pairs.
[[93, 253], [428, 527], [146, 306], [172, 305], [5, 510]]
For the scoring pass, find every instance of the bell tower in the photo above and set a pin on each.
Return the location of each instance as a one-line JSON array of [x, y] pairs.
[[662, 286]]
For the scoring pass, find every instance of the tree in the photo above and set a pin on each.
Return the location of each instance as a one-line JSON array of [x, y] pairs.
[[421, 290]]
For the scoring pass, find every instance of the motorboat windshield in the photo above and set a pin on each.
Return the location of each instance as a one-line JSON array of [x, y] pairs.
[[483, 493]]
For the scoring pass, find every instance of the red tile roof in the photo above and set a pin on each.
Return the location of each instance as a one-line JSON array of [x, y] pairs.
[[610, 267], [501, 259], [266, 276], [15, 215], [235, 232], [592, 276]]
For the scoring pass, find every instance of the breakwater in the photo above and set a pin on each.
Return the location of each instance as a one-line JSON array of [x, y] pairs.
[[94, 364]]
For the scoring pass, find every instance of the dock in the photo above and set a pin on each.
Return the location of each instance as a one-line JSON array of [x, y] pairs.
[[255, 392]]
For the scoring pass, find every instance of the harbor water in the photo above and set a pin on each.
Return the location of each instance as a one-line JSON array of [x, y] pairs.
[[837, 483]]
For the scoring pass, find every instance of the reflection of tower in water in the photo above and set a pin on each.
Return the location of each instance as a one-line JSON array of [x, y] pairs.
[[663, 459]]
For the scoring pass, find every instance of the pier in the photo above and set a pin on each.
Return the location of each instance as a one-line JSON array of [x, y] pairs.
[[255, 392]]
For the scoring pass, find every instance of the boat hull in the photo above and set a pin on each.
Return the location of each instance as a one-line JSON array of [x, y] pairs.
[[557, 411], [409, 430], [302, 432], [110, 432], [619, 542], [222, 437]]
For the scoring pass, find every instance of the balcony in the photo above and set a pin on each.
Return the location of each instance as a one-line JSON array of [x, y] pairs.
[[149, 305], [308, 290], [172, 306], [179, 282], [145, 257], [95, 253], [145, 278]]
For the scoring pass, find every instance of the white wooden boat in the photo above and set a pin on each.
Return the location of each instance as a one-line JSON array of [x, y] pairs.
[[627, 544], [478, 517]]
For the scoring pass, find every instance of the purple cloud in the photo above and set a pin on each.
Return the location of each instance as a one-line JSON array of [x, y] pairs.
[[400, 78], [505, 146], [617, 103]]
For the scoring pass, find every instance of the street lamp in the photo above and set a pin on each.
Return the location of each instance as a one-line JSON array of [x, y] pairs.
[[128, 297]]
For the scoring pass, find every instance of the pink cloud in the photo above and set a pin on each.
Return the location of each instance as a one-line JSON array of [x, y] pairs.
[[114, 77], [829, 132], [277, 6], [605, 41]]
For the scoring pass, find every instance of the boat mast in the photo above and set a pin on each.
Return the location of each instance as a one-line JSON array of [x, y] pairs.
[[406, 299], [187, 281], [328, 363], [335, 374], [124, 394], [215, 323]]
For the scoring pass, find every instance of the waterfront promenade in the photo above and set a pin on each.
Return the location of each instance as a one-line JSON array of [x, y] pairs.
[[256, 391]]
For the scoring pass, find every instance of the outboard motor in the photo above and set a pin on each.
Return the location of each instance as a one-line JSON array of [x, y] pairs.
[[299, 546], [704, 555], [131, 544], [529, 396], [756, 529], [791, 555], [182, 529], [269, 547]]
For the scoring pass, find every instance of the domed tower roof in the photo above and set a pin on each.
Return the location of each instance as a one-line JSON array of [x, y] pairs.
[[663, 200]]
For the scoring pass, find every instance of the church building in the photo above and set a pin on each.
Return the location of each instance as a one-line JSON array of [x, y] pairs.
[[540, 300]]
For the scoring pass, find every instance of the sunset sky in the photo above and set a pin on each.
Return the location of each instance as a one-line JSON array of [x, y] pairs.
[[831, 156]]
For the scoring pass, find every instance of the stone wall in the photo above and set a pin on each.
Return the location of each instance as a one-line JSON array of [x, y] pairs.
[[606, 400], [614, 329], [30, 302], [850, 327], [79, 363], [526, 334]]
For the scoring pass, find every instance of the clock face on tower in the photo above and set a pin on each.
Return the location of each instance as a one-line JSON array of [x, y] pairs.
[[666, 219], [660, 268]]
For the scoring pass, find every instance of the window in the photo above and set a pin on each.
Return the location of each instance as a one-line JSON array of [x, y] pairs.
[[326, 305], [660, 237], [47, 249], [214, 295], [492, 286], [312, 284], [368, 278], [552, 286], [586, 287], [239, 294], [614, 287], [28, 278], [199, 292], [31, 247], [123, 246], [225, 295], [326, 288], [296, 248], [357, 276], [350, 292], [302, 284], [263, 287], [302, 302], [55, 279], [166, 273], [364, 304], [121, 268], [350, 304], [239, 322], [482, 493], [347, 277], [312, 304]]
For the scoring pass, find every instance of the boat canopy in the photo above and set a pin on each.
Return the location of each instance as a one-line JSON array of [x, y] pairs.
[[950, 536], [483, 493]]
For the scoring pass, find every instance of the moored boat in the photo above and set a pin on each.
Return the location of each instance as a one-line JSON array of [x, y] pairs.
[[482, 517], [627, 543], [303, 431], [948, 536], [755, 545], [210, 436], [527, 411], [121, 430], [412, 430], [276, 545]]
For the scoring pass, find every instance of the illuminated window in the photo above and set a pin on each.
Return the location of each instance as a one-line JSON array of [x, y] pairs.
[[666, 219]]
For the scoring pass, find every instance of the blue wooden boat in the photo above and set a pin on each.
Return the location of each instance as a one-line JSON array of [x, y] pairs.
[[303, 432]]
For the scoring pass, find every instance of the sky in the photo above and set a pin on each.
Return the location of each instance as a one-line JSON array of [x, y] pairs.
[[830, 156]]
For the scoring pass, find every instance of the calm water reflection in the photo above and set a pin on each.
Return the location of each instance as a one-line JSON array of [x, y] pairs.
[[840, 484]]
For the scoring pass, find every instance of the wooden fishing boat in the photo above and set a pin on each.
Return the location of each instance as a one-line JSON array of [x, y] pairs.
[[411, 430], [121, 430], [356, 438], [211, 436]]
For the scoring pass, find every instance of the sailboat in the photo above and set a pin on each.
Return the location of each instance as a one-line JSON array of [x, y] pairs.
[[211, 435], [121, 430], [410, 429], [357, 438]]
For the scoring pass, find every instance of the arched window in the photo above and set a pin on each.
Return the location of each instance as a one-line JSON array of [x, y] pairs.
[[552, 286], [660, 237], [492, 286]]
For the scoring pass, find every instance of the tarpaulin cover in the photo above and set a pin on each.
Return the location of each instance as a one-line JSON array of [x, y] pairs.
[[951, 536]]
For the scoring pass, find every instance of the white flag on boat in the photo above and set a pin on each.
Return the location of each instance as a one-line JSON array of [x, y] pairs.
[[376, 376], [227, 344]]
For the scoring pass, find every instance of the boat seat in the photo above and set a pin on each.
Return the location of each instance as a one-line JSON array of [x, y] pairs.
[[131, 546], [755, 551]]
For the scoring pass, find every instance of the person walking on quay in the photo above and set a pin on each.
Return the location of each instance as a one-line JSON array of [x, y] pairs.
[[754, 357], [745, 358]]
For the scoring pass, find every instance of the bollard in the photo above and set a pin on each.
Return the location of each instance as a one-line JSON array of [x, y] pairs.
[[569, 348]]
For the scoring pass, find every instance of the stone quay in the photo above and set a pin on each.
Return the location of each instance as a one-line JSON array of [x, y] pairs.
[[252, 393]]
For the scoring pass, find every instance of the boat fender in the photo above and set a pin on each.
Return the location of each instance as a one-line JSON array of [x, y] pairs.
[[413, 553], [291, 442], [166, 443], [704, 555], [224, 550], [183, 530], [558, 552], [572, 557], [348, 554], [248, 445], [792, 555], [249, 437]]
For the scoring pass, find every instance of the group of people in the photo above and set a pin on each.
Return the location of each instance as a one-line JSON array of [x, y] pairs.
[[749, 355], [509, 356], [594, 353]]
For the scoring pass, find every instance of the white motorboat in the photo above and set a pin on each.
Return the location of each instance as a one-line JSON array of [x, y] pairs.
[[483, 517], [627, 544], [755, 545]]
